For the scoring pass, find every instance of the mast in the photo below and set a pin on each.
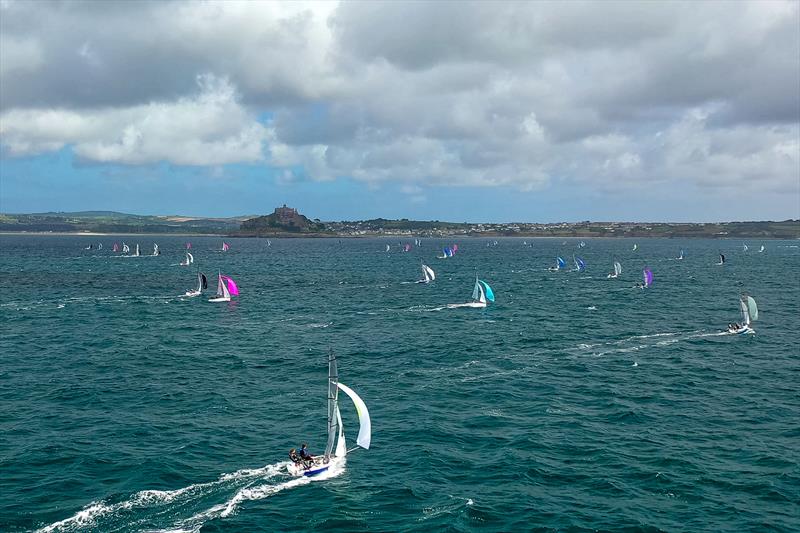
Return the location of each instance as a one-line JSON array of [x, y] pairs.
[[333, 396]]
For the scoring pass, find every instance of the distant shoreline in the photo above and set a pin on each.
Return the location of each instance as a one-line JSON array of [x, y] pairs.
[[390, 236]]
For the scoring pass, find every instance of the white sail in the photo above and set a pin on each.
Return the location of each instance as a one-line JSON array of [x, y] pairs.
[[477, 293], [125, 248], [137, 251], [365, 429], [617, 268], [189, 258], [155, 249], [744, 247], [428, 273], [222, 288], [752, 308], [745, 312], [761, 250]]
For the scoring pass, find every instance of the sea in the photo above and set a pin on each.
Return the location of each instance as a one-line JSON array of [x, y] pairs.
[[574, 402]]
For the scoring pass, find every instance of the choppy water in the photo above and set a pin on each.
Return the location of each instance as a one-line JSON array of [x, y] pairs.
[[573, 402]]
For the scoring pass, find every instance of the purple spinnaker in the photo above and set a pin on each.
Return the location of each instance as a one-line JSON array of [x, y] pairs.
[[232, 288]]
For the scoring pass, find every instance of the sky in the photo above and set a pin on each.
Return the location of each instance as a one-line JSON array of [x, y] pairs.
[[460, 111]]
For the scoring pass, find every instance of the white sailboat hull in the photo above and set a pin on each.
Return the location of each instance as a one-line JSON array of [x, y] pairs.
[[318, 467], [467, 304], [191, 294], [220, 299], [745, 330]]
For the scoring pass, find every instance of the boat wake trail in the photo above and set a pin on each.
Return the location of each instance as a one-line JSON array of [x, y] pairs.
[[185, 509]]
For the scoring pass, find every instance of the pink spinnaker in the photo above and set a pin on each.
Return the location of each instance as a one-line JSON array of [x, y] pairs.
[[232, 288]]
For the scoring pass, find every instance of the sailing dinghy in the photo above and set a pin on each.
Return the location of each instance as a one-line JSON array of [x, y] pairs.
[[225, 246], [744, 247], [335, 455], [156, 251], [202, 283], [761, 250], [680, 257], [647, 277], [749, 315], [125, 248], [189, 259], [427, 274], [635, 247], [226, 288], [560, 265], [721, 260], [481, 294], [137, 253], [580, 264], [617, 270]]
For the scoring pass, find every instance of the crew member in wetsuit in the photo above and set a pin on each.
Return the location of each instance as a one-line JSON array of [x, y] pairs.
[[306, 457]]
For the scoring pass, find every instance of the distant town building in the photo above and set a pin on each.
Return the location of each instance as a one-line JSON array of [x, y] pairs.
[[285, 215]]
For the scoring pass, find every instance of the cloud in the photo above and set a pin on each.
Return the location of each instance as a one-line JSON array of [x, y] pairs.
[[209, 128], [420, 94]]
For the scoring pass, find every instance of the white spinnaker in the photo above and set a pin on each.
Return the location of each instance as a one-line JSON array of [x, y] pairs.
[[745, 313], [341, 444], [429, 274], [752, 308], [617, 268], [365, 429]]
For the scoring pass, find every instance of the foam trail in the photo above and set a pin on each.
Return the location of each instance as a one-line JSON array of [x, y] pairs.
[[158, 501]]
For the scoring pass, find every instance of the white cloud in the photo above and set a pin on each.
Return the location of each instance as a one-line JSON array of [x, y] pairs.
[[209, 128]]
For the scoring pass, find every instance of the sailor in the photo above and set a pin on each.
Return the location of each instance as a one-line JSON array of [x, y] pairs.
[[294, 457], [306, 457]]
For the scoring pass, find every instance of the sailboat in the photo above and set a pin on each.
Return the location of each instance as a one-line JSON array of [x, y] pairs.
[[581, 244], [481, 294], [226, 288], [269, 243], [388, 248], [100, 246], [202, 283], [427, 274], [189, 259], [560, 265], [721, 259], [115, 248], [635, 247], [647, 276], [446, 253], [336, 448], [125, 248], [680, 257], [761, 250], [749, 315], [744, 247], [156, 251], [580, 265], [225, 246], [407, 248], [617, 270], [89, 247], [137, 253]]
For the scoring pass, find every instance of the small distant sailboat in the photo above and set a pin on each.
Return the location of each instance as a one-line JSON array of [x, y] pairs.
[[225, 246], [189, 259], [481, 294], [269, 243], [580, 265], [680, 257], [125, 248], [156, 251], [88, 247], [226, 288], [560, 265], [137, 253], [407, 248], [635, 247], [749, 314], [647, 276], [744, 247], [617, 270], [202, 283], [761, 250], [100, 246], [388, 248], [721, 259], [335, 455], [581, 244], [115, 248], [188, 246], [427, 274]]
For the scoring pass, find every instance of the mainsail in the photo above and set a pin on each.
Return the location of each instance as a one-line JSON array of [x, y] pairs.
[[155, 249], [333, 404], [761, 250], [222, 288], [617, 268], [580, 265], [721, 259]]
